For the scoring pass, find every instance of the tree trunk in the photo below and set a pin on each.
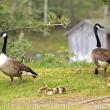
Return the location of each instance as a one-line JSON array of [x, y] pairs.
[[13, 19], [106, 12], [45, 15], [21, 36]]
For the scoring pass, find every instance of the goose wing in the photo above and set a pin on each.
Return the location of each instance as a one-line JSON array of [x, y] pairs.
[[15, 64], [103, 55], [19, 66], [12, 67]]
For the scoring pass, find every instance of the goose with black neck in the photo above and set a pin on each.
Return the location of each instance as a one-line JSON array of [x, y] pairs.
[[100, 56], [11, 66]]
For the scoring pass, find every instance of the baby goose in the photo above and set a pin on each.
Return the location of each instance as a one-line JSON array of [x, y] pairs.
[[50, 91], [61, 90], [43, 90]]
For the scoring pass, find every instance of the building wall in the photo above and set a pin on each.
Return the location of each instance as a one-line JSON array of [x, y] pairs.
[[82, 41]]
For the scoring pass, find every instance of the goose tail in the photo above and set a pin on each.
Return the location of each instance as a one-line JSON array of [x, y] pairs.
[[34, 74], [27, 69]]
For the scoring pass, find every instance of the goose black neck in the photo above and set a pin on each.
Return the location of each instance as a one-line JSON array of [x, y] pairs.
[[97, 38], [4, 45]]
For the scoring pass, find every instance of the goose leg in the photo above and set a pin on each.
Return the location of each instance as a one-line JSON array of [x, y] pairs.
[[106, 74], [105, 69], [96, 71], [97, 66], [20, 78], [11, 78]]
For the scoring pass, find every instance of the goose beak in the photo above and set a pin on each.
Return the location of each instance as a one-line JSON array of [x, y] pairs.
[[101, 27], [3, 34]]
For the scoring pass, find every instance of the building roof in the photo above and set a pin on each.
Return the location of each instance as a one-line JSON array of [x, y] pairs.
[[90, 22]]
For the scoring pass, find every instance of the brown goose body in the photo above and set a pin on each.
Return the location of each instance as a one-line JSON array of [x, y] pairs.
[[100, 56], [11, 66]]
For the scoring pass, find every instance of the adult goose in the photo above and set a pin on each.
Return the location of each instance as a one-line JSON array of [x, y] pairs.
[[100, 56], [11, 66]]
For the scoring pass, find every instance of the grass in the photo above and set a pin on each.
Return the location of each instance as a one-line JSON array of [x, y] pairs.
[[77, 78], [51, 107]]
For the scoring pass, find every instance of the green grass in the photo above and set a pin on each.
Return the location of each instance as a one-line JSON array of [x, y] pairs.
[[77, 78], [51, 107]]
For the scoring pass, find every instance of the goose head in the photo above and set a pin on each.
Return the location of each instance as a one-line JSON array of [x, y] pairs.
[[3, 35], [98, 26]]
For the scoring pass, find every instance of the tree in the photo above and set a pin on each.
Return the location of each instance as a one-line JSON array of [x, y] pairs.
[[30, 13], [45, 15]]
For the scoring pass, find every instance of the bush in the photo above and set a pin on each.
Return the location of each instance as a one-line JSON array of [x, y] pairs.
[[19, 49], [58, 57]]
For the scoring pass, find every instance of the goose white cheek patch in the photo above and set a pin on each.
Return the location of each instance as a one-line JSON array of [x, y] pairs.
[[98, 27], [4, 35]]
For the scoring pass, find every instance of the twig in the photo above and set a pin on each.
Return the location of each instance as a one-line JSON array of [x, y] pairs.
[[92, 100], [34, 28]]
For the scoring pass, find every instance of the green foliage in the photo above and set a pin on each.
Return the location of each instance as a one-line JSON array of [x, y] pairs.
[[15, 14], [77, 10], [52, 17], [19, 49], [60, 57], [65, 21], [4, 17]]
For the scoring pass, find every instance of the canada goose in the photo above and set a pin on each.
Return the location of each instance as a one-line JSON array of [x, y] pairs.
[[11, 66], [100, 56]]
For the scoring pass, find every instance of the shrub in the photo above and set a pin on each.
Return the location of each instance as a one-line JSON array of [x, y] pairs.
[[19, 49], [58, 57]]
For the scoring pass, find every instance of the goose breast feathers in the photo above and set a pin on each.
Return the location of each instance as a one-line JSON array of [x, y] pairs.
[[12, 67]]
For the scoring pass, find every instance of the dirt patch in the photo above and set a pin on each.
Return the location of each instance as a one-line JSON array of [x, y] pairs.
[[70, 100], [88, 103]]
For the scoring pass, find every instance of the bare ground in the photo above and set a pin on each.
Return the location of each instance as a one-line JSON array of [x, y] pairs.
[[85, 103]]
